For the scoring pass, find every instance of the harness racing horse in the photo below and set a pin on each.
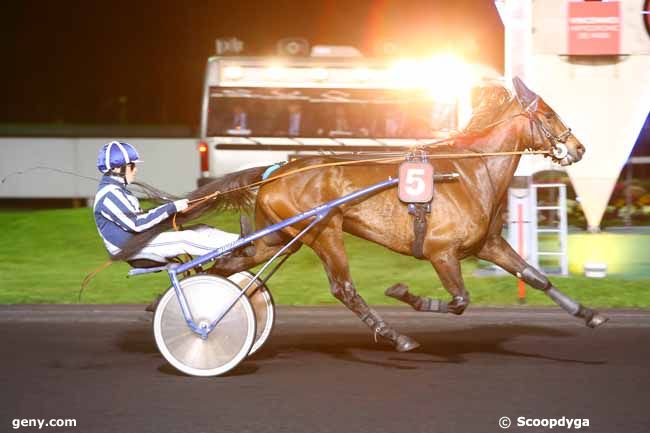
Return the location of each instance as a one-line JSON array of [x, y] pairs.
[[465, 217]]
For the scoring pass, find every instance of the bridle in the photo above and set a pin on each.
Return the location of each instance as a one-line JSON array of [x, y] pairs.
[[558, 147]]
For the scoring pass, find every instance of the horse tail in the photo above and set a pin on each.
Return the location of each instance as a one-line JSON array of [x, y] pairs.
[[235, 197]]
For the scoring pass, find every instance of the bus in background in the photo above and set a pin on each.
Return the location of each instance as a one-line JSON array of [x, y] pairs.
[[261, 110]]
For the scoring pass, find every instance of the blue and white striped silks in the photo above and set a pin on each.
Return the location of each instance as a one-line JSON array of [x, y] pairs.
[[118, 215]]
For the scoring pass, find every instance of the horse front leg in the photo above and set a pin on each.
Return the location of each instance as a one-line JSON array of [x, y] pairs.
[[400, 291], [448, 268], [499, 252]]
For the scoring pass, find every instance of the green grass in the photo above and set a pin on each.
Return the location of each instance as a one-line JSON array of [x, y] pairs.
[[44, 256]]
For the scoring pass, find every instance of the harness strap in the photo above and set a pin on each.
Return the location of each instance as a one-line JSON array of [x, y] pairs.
[[419, 212]]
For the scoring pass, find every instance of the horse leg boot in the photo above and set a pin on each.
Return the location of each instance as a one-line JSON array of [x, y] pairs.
[[401, 292], [498, 251]]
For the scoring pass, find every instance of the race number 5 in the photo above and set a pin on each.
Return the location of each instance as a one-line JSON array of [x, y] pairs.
[[415, 182]]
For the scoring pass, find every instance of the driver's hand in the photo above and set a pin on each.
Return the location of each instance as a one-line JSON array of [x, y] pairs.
[[181, 205]]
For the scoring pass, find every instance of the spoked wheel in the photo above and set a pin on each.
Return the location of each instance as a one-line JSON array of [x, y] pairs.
[[263, 305], [226, 346]]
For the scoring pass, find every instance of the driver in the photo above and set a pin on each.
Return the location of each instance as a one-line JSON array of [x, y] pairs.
[[118, 215]]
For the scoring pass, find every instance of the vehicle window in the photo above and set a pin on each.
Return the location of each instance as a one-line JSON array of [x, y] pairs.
[[327, 113]]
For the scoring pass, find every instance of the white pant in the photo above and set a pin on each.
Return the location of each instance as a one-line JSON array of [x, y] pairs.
[[197, 241]]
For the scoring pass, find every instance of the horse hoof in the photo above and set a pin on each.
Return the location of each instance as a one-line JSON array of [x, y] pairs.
[[405, 344], [397, 291], [458, 305], [596, 320]]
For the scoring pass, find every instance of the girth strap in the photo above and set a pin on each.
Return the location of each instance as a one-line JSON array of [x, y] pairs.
[[419, 212]]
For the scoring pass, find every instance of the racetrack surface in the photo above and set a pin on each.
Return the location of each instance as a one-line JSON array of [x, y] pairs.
[[322, 372]]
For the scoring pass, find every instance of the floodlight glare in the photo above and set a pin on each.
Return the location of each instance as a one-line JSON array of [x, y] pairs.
[[319, 74], [275, 73], [233, 72], [362, 74], [447, 77], [404, 73]]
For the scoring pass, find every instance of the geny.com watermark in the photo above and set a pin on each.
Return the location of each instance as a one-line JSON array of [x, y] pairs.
[[551, 423], [40, 422]]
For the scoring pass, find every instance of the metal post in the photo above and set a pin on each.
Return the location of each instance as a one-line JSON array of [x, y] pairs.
[[520, 247], [628, 195], [564, 229], [534, 224]]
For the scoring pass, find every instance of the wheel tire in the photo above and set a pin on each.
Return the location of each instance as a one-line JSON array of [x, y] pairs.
[[263, 305], [225, 347]]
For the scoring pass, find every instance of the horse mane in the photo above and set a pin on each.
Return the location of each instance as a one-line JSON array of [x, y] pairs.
[[491, 101], [241, 200]]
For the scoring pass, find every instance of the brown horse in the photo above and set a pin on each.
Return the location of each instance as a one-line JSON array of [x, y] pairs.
[[465, 217]]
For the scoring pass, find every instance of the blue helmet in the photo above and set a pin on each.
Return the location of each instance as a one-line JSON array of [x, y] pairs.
[[116, 154]]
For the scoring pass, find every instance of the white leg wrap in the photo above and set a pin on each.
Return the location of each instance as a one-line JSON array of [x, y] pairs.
[[571, 306]]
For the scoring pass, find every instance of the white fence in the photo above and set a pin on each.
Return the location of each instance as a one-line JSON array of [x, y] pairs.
[[169, 164]]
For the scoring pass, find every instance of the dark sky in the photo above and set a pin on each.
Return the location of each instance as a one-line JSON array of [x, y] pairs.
[[71, 61]]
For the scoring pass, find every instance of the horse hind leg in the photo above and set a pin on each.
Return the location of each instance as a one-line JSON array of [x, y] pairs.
[[330, 249], [229, 265], [498, 251], [265, 247]]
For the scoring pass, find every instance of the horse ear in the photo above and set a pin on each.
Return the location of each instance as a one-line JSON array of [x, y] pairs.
[[527, 96]]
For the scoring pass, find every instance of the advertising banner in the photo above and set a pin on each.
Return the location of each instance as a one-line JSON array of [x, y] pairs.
[[594, 28]]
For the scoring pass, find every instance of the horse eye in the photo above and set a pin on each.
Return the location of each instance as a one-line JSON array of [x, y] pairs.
[[548, 114]]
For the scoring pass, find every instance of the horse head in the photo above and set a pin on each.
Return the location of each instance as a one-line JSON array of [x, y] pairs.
[[548, 132]]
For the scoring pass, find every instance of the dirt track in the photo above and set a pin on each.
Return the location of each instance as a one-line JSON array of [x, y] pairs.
[[322, 372]]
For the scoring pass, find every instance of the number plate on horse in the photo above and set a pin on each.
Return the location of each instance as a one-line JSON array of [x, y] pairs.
[[415, 182]]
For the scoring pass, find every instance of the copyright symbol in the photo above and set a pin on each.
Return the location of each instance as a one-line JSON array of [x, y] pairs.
[[504, 422]]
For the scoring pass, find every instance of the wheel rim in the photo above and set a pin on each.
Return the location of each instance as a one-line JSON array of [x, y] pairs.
[[263, 305], [226, 346]]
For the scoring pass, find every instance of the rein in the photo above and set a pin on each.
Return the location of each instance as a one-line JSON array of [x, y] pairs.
[[198, 201]]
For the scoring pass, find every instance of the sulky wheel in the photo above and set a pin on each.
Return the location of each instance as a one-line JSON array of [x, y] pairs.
[[263, 305], [225, 347]]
